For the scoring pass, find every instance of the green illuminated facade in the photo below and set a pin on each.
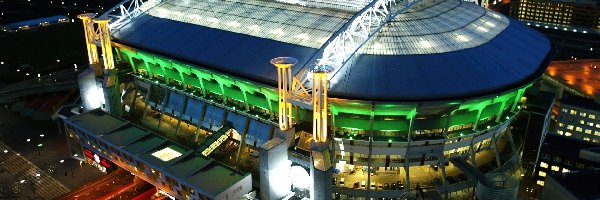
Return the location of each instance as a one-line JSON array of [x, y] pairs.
[[395, 121]]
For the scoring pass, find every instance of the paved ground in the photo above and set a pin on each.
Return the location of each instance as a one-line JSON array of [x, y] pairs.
[[14, 132]]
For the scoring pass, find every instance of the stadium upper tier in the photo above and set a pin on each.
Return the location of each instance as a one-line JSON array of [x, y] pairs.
[[437, 50]]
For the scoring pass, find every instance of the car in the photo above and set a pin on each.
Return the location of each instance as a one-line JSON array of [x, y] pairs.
[[363, 185], [342, 182], [372, 186], [379, 186], [355, 185], [386, 186], [400, 185]]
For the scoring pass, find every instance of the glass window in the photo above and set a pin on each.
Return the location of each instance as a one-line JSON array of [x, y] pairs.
[[561, 124], [591, 116], [542, 174], [590, 123], [587, 139], [582, 114], [541, 183], [570, 127], [554, 168], [568, 134], [578, 129], [560, 132], [565, 170], [573, 112], [544, 165], [556, 159], [597, 133], [581, 122], [588, 131]]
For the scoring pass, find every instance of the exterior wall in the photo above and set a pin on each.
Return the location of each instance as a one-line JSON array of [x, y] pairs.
[[553, 190]]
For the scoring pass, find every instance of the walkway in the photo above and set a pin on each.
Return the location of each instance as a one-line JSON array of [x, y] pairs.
[[32, 177]]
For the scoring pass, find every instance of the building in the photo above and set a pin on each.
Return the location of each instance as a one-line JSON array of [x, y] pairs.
[[399, 89], [568, 15], [34, 23], [572, 185], [562, 155], [104, 140], [579, 119]]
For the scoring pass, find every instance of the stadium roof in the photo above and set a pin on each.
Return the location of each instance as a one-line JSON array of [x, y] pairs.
[[437, 50]]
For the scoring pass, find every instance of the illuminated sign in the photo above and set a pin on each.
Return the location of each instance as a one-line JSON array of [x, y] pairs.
[[100, 160]]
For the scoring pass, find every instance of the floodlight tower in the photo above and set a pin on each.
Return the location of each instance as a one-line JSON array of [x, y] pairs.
[[104, 78], [320, 169], [284, 87], [110, 83]]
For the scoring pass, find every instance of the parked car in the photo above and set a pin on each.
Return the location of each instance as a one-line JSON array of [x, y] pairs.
[[363, 185], [342, 182], [372, 186], [386, 186], [355, 185]]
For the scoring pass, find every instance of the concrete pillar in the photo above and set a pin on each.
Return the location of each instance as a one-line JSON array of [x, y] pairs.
[[275, 170], [321, 171]]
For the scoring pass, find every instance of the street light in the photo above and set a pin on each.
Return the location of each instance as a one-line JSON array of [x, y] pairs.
[[42, 135], [28, 140], [5, 151], [61, 161]]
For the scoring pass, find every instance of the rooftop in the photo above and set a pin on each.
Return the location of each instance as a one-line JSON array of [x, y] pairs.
[[202, 173], [582, 75], [581, 102], [582, 184]]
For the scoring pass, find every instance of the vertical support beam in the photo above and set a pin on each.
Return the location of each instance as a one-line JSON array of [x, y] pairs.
[[407, 169], [148, 95], [517, 98], [162, 109], [496, 152], [181, 114], [243, 139], [110, 85], [371, 119], [472, 151], [319, 92], [442, 159], [284, 83], [105, 43], [88, 29]]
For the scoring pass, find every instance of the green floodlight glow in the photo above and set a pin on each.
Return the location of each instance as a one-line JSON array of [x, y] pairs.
[[350, 138], [390, 140], [488, 127], [461, 134]]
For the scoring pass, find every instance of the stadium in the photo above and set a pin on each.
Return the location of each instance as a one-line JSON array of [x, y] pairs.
[[342, 99]]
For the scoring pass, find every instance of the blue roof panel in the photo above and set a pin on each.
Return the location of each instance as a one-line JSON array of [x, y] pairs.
[[513, 58]]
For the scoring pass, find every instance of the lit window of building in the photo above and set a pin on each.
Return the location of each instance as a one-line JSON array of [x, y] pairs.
[[583, 114], [544, 165], [590, 123], [565, 170], [591, 116], [560, 132], [587, 139], [542, 174], [570, 127], [597, 133], [541, 183], [581, 122], [578, 129], [588, 131], [568, 134], [555, 168], [573, 112]]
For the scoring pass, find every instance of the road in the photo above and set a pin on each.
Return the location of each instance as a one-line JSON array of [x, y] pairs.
[[582, 75], [108, 183]]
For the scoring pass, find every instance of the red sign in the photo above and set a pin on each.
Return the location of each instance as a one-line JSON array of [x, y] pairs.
[[96, 158]]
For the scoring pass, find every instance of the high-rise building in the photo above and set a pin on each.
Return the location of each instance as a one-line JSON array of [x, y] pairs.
[[584, 13], [579, 119], [576, 185]]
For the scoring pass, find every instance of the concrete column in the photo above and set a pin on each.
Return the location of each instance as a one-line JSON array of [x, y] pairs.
[[148, 95], [181, 114], [321, 171], [243, 139], [495, 141], [164, 104]]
